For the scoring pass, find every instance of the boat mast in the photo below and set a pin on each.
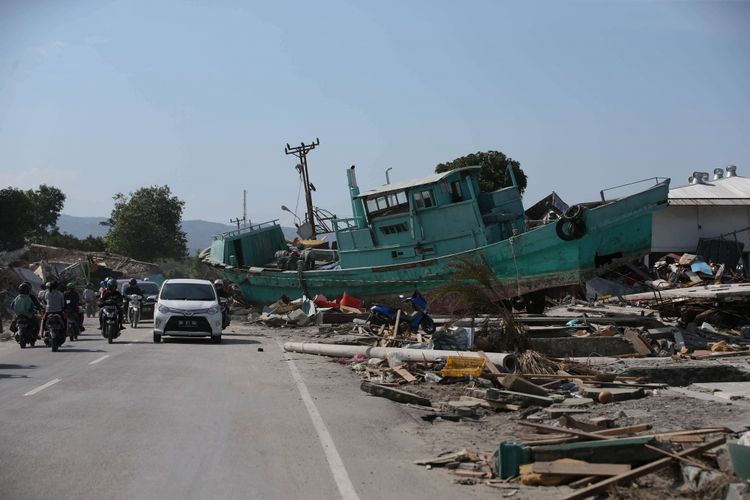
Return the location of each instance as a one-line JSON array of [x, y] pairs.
[[301, 153]]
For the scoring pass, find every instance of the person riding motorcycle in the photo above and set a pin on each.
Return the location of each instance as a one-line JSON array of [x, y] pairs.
[[54, 303], [221, 293], [131, 289], [111, 294], [26, 305], [73, 303]]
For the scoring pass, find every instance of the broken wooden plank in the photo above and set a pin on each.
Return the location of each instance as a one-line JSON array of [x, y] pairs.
[[640, 345], [580, 469], [489, 364], [497, 394], [517, 383], [393, 394], [640, 471], [404, 373]]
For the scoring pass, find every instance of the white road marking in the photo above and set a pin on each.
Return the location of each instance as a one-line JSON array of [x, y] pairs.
[[99, 359], [42, 387], [340, 476]]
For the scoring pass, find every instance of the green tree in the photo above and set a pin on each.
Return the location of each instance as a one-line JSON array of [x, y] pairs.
[[147, 225], [27, 216], [16, 218], [48, 201], [493, 175]]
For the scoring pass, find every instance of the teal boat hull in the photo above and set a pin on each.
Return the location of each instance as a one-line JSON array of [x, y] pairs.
[[538, 259]]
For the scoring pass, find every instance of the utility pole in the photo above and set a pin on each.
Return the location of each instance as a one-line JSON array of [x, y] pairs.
[[244, 206], [237, 221], [301, 153]]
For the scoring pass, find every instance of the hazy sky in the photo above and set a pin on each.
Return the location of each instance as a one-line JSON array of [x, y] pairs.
[[102, 97]]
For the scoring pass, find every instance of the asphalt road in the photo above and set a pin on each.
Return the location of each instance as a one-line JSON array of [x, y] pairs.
[[192, 419]]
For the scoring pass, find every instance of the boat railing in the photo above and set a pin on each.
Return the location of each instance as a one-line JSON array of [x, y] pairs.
[[655, 180], [246, 229]]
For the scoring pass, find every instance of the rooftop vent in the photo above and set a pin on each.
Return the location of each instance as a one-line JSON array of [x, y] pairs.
[[731, 170], [718, 173], [698, 178]]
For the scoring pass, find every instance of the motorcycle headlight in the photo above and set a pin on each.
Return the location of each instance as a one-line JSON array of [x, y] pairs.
[[213, 310], [164, 310]]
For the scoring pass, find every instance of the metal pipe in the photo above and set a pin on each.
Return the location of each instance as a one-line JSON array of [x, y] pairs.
[[387, 177], [505, 360]]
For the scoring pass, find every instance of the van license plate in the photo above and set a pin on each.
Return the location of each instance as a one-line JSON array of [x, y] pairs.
[[187, 322]]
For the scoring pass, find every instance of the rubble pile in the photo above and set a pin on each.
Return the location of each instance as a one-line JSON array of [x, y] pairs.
[[577, 399], [38, 264]]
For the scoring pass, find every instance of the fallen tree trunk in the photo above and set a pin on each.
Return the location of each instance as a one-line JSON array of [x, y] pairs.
[[504, 360]]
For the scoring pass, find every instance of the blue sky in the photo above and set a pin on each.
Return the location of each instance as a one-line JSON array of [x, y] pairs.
[[105, 97]]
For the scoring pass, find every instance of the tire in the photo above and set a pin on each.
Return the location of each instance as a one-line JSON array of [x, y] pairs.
[[134, 322], [571, 226], [428, 326], [32, 343], [23, 344], [535, 303], [216, 339], [377, 319], [110, 334], [157, 338], [53, 341]]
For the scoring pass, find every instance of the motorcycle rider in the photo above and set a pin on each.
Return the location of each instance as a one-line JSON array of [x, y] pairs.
[[73, 304], [89, 297], [54, 303], [131, 289], [111, 294], [24, 305], [221, 293]]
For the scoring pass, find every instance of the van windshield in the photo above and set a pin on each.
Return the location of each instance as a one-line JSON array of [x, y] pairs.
[[187, 291]]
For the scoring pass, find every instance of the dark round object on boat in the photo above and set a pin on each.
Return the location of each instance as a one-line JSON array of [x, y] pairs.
[[571, 226]]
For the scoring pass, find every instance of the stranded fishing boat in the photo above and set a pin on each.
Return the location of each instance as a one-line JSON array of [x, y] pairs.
[[409, 235]]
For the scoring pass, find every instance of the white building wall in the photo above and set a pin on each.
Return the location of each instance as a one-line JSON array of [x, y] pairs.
[[677, 228]]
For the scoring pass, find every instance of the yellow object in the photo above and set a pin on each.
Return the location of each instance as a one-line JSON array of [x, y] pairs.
[[458, 366], [721, 347]]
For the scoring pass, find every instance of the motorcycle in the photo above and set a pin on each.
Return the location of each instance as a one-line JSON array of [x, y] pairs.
[[110, 314], [54, 331], [225, 319], [74, 329], [384, 315], [26, 333], [134, 310]]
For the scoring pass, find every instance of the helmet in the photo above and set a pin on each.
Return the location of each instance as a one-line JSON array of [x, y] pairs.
[[46, 285], [218, 282], [71, 286], [24, 288], [133, 281], [53, 285], [111, 284]]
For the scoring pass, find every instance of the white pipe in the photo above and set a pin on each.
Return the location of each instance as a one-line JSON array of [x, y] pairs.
[[502, 359]]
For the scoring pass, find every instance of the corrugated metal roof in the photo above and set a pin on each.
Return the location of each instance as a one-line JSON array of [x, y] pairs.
[[726, 191], [400, 186]]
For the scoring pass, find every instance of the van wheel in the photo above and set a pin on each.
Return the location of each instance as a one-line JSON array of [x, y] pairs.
[[216, 339], [157, 338]]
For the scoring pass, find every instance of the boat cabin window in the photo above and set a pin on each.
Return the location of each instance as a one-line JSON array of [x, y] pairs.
[[394, 228], [456, 194], [388, 204], [423, 199]]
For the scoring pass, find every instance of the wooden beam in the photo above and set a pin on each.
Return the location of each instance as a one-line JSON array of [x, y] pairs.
[[489, 364], [580, 469], [640, 471]]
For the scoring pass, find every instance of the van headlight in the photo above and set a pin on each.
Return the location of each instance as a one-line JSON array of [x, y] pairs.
[[213, 310], [164, 309]]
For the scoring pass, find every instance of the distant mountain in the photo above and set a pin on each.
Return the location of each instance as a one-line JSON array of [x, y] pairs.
[[199, 232]]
